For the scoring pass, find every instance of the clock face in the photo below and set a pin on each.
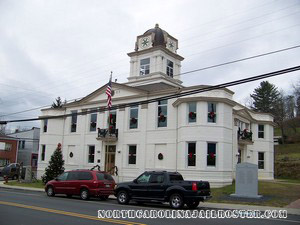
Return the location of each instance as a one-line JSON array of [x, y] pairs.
[[145, 42], [171, 45]]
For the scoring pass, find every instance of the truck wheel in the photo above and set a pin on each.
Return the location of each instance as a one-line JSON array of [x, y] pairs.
[[50, 191], [123, 197], [176, 201], [192, 205], [84, 194]]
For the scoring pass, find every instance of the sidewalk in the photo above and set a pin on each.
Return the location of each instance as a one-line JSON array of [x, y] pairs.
[[293, 208]]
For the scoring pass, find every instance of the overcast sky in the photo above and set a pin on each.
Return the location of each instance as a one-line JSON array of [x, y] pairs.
[[67, 48]]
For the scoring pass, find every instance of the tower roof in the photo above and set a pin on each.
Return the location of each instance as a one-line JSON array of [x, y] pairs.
[[159, 34]]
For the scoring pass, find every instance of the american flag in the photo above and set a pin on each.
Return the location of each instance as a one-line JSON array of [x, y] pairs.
[[108, 93]]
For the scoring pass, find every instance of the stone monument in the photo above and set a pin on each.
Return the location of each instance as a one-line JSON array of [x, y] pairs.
[[246, 181], [28, 174]]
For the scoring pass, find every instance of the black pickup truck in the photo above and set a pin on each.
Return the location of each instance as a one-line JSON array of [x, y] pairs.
[[162, 186]]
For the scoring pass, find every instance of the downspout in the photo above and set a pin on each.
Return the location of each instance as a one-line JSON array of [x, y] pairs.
[[63, 134], [176, 137]]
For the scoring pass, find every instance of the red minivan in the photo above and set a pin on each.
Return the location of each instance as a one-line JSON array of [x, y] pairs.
[[84, 183]]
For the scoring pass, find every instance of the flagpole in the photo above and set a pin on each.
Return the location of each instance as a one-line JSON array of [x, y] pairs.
[[108, 104]]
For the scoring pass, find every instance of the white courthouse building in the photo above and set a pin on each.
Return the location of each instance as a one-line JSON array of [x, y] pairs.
[[203, 136]]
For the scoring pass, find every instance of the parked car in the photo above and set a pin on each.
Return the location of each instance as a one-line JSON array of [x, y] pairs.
[[11, 171], [162, 186], [84, 183]]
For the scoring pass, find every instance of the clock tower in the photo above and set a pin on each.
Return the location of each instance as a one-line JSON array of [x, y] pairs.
[[155, 59]]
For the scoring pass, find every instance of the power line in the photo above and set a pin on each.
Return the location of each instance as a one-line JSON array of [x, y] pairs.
[[177, 95], [240, 60], [184, 73], [204, 41]]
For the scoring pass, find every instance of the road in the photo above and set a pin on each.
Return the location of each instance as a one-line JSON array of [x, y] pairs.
[[35, 208]]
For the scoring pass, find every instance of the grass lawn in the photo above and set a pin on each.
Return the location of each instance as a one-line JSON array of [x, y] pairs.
[[287, 161], [275, 194], [38, 184]]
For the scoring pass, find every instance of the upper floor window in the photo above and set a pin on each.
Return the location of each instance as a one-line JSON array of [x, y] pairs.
[[74, 121], [43, 153], [261, 131], [112, 119], [261, 160], [192, 112], [45, 125], [93, 122], [162, 113], [170, 68], [191, 154], [132, 154], [211, 154], [145, 66], [23, 144], [133, 120], [211, 112]]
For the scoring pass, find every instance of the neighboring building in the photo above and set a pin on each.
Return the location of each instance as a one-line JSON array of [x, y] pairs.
[[28, 146], [8, 150], [202, 136]]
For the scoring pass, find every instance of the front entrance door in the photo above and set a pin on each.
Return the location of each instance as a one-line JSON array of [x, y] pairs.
[[110, 155]]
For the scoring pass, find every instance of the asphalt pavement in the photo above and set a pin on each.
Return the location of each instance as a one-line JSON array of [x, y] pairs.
[[21, 207]]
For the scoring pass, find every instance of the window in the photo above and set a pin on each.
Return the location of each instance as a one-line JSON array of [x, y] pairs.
[[93, 122], [43, 152], [104, 176], [192, 115], [132, 154], [73, 121], [45, 125], [4, 162], [157, 178], [211, 154], [85, 176], [91, 158], [73, 176], [112, 119], [133, 120], [261, 131], [8, 146], [63, 176], [191, 154], [162, 113], [145, 66], [21, 144], [261, 160], [211, 112], [176, 177], [144, 178], [169, 68]]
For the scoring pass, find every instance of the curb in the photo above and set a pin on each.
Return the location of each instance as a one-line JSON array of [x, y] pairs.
[[2, 185], [224, 206]]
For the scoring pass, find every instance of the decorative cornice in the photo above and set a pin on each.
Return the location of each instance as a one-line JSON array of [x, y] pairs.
[[155, 48], [204, 99]]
